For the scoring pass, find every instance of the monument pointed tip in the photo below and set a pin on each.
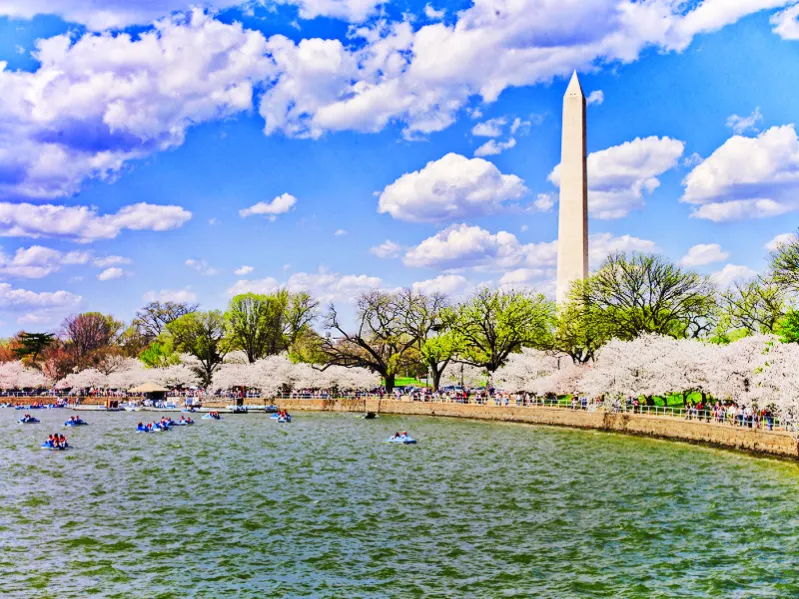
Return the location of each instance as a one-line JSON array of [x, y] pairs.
[[574, 84]]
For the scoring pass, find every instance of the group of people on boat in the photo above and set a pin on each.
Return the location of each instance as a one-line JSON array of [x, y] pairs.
[[402, 437], [55, 441], [33, 406], [162, 425], [215, 415], [75, 421], [28, 419]]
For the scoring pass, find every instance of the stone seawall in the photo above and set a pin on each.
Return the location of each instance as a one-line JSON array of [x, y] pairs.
[[753, 440]]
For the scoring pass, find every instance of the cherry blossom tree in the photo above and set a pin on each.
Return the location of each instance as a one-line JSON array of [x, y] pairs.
[[15, 375]]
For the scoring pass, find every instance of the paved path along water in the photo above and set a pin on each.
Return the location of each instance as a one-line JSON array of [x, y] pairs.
[[322, 508]]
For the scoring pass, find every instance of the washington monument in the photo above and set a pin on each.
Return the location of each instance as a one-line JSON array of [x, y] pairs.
[[573, 214]]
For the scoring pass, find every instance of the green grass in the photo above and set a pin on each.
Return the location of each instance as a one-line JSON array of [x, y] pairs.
[[404, 381]]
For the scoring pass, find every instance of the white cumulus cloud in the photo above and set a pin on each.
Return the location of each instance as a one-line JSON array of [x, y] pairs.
[[704, 253], [747, 177], [742, 124], [490, 128], [326, 286], [732, 273], [98, 101], [493, 147], [109, 274], [279, 205], [620, 177], [600, 245], [433, 14], [170, 295], [243, 270], [781, 239], [202, 267], [12, 298], [596, 97], [462, 247], [387, 249], [105, 261], [786, 23], [452, 187], [37, 261], [446, 284], [83, 223]]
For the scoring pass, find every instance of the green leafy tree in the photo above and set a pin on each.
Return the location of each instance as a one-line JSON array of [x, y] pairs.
[[788, 327], [32, 345], [202, 335], [634, 294], [784, 264], [262, 325], [152, 319], [754, 306], [580, 331], [437, 352], [308, 347], [494, 324], [255, 323], [160, 353]]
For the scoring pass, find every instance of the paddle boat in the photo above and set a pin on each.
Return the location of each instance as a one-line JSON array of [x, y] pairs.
[[284, 419], [75, 421], [402, 438], [151, 427], [48, 447], [28, 419], [184, 421], [54, 443], [212, 416]]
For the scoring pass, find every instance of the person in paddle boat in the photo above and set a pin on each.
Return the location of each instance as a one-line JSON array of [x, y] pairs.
[[56, 442]]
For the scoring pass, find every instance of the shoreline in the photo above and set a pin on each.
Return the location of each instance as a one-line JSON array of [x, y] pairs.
[[753, 441], [761, 442]]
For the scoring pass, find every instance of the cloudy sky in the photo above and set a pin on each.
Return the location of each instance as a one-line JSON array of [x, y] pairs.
[[156, 149]]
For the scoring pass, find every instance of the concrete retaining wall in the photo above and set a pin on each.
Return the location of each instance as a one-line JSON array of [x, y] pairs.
[[753, 440]]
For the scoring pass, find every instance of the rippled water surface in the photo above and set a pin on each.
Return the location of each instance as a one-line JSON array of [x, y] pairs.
[[321, 508]]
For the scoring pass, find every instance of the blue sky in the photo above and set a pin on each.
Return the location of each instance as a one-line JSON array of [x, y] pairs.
[[151, 150]]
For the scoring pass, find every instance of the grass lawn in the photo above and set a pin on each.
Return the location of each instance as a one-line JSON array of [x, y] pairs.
[[404, 381]]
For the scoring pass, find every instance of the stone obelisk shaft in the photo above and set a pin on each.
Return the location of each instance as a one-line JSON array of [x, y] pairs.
[[573, 215]]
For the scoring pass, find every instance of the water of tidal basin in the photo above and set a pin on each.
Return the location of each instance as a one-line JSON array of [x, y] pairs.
[[247, 508]]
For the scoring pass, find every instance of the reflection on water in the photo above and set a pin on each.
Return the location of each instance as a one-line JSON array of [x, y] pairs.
[[322, 508]]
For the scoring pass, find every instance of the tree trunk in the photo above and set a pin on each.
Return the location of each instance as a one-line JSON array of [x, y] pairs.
[[436, 379], [389, 383]]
